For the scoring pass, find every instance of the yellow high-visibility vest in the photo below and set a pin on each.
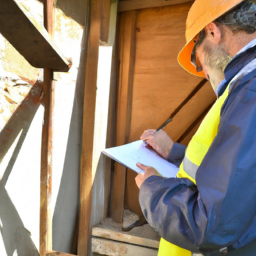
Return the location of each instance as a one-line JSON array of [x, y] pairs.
[[195, 153]]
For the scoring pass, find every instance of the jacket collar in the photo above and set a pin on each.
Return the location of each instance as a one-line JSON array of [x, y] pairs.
[[236, 64]]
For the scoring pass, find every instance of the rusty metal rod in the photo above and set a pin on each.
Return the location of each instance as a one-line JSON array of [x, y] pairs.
[[46, 151]]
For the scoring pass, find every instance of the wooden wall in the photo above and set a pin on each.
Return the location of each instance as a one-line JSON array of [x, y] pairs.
[[152, 86]]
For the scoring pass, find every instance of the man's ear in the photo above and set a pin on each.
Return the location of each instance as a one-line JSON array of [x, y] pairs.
[[213, 33]]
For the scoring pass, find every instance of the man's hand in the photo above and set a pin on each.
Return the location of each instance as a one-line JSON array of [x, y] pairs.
[[148, 171], [159, 141]]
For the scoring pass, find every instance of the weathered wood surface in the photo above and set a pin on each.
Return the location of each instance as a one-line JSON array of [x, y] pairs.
[[86, 180], [128, 5], [29, 37], [111, 248], [144, 235], [124, 99]]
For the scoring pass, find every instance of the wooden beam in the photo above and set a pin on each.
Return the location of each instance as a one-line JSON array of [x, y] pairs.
[[107, 247], [86, 180], [29, 37], [53, 253], [143, 235], [200, 101], [129, 5], [127, 47], [189, 97], [46, 151], [194, 124]]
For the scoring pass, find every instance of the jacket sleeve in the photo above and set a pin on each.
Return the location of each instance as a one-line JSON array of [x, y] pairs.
[[221, 208], [177, 154]]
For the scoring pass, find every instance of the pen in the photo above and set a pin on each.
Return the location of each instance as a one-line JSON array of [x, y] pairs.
[[163, 125], [160, 128]]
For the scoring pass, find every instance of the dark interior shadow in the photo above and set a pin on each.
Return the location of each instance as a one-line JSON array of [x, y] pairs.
[[67, 204], [15, 236]]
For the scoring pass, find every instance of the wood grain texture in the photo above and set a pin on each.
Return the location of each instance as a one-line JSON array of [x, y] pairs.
[[86, 181], [160, 84], [128, 5], [30, 38], [143, 235], [124, 99], [46, 150], [111, 248]]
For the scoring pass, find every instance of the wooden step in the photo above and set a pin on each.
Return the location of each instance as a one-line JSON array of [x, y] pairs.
[[108, 247], [143, 236], [29, 37]]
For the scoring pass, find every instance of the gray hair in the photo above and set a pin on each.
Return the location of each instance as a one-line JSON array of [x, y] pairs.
[[240, 18]]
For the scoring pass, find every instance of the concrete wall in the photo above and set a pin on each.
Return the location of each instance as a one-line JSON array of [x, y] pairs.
[[20, 167]]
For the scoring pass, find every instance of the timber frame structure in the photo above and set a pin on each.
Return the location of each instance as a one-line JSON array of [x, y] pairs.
[[123, 28]]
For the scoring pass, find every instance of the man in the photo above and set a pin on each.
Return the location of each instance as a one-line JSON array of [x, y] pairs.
[[211, 206]]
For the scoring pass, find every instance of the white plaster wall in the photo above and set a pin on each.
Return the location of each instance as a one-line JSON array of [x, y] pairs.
[[20, 195]]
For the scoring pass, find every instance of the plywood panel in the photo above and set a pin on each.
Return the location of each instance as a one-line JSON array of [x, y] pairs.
[[160, 85]]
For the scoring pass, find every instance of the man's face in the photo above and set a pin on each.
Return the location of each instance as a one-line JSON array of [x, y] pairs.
[[214, 59]]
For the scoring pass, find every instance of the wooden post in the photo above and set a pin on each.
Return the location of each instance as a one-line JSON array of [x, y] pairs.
[[124, 103], [46, 154], [86, 180]]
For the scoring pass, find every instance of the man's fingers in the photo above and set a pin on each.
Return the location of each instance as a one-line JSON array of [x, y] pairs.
[[147, 133], [141, 166]]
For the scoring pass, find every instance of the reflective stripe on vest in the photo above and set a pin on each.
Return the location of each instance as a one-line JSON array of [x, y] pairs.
[[195, 153]]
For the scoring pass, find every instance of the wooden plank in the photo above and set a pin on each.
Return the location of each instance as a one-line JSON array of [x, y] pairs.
[[111, 130], [53, 253], [124, 97], [29, 37], [46, 148], [128, 5], [195, 107], [194, 124], [86, 182], [188, 98], [107, 247], [143, 236]]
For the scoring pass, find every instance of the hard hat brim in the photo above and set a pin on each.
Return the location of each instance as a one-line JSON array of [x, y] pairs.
[[184, 58]]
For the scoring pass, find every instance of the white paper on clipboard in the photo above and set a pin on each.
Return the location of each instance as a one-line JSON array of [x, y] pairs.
[[131, 154]]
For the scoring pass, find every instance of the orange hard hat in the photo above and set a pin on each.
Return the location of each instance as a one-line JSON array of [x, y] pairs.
[[202, 13]]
